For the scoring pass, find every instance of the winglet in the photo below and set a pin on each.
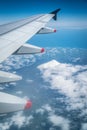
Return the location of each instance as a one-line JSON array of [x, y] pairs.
[[55, 13]]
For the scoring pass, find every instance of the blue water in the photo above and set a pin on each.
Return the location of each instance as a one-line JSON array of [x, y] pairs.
[[75, 38]]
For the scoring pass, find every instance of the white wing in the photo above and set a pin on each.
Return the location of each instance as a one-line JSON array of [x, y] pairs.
[[13, 40], [13, 37]]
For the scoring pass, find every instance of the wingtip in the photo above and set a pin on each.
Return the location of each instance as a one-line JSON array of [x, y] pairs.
[[55, 13]]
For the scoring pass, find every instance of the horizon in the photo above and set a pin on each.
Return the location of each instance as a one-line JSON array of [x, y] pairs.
[[72, 20]]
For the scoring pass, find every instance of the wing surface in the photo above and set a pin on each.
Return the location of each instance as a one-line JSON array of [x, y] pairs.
[[13, 38]]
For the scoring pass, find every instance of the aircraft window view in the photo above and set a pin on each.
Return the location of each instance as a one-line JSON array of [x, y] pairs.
[[43, 65]]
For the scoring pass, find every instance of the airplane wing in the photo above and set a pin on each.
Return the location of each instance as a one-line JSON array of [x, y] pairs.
[[14, 35], [13, 38]]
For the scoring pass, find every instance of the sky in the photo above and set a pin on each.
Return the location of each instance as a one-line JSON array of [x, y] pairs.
[[70, 8], [71, 24]]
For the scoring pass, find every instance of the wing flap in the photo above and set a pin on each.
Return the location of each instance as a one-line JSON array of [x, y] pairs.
[[29, 49], [46, 30]]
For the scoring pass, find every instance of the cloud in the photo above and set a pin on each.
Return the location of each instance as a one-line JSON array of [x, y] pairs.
[[13, 62], [47, 108], [84, 126], [70, 24], [56, 120], [29, 80], [44, 108], [59, 121], [1, 88], [40, 110], [18, 120], [76, 59], [19, 92], [13, 83], [69, 80]]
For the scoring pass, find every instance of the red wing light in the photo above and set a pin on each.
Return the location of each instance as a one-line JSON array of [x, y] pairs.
[[28, 105], [54, 30], [42, 50]]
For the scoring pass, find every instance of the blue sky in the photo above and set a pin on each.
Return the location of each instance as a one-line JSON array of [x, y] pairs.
[[71, 24], [26, 7]]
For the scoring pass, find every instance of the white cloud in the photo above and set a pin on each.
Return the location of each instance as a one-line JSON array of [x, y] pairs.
[[68, 79], [44, 108], [40, 110], [13, 83], [18, 120], [70, 24], [1, 88], [29, 80], [56, 120], [47, 107], [59, 121], [76, 59], [19, 92], [84, 126], [13, 62]]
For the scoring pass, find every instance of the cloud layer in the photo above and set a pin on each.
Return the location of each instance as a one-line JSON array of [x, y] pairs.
[[70, 24], [18, 120], [69, 80]]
